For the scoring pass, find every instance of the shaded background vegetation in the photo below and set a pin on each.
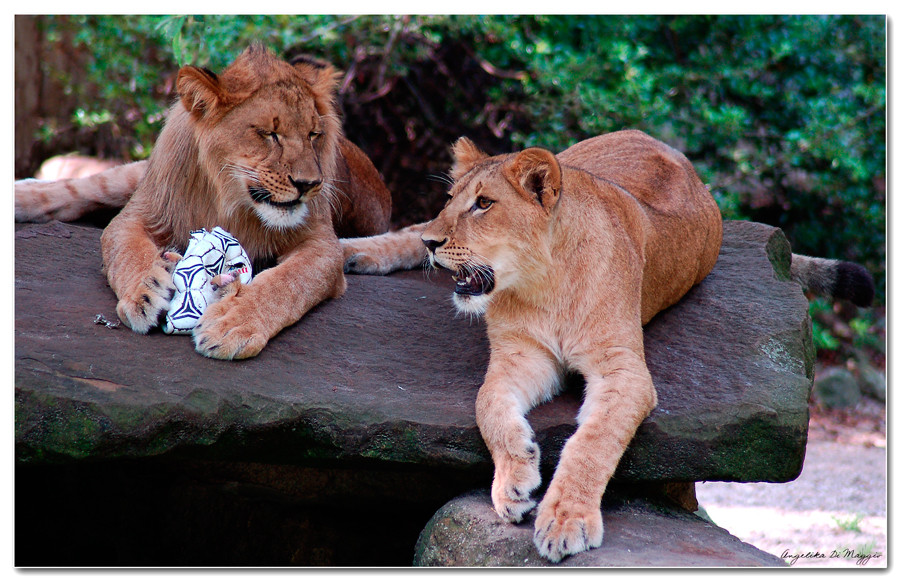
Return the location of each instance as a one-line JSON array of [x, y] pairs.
[[784, 117]]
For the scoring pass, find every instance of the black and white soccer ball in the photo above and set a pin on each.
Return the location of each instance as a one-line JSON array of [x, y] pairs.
[[208, 254]]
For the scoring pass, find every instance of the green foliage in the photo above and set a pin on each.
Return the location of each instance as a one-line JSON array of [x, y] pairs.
[[865, 335], [849, 524], [786, 128], [822, 335], [863, 331], [783, 116], [866, 548], [124, 88]]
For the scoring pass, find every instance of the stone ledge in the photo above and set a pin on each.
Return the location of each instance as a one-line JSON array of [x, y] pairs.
[[387, 374], [466, 532]]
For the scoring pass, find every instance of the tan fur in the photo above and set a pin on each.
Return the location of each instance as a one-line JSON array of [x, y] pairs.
[[71, 197], [261, 124], [258, 151], [582, 248], [359, 201], [63, 167], [385, 253], [578, 251]]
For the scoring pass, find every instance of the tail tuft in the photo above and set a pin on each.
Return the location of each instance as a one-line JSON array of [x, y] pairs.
[[834, 278], [854, 283]]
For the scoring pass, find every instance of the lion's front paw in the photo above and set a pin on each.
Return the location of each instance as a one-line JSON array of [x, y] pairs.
[[230, 329], [141, 305], [515, 477], [565, 527]]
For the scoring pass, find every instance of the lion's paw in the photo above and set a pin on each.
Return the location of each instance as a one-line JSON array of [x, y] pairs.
[[141, 306], [564, 527], [230, 329], [515, 478], [362, 263]]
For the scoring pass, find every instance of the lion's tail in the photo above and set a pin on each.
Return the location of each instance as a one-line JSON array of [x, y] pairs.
[[70, 199], [834, 278]]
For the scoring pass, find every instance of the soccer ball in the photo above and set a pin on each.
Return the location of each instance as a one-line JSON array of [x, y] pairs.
[[208, 255]]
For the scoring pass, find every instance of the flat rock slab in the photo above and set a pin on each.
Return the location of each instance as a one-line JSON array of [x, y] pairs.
[[389, 374], [466, 532]]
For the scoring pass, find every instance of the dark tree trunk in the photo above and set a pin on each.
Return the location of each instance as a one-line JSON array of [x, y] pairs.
[[28, 91]]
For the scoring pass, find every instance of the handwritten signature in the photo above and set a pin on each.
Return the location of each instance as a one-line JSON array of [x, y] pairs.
[[862, 559]]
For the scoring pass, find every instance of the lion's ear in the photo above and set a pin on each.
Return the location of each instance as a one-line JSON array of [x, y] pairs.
[[535, 173], [465, 156], [200, 90], [323, 78]]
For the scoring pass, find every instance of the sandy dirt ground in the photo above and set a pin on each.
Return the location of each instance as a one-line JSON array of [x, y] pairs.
[[835, 514]]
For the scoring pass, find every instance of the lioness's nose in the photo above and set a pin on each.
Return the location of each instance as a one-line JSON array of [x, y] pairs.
[[303, 186], [433, 245]]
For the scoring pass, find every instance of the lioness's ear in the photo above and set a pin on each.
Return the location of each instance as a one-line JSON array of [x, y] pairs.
[[535, 174], [200, 90], [465, 156]]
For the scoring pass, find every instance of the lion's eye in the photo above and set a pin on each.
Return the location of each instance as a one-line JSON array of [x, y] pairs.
[[268, 134], [482, 203], [313, 135]]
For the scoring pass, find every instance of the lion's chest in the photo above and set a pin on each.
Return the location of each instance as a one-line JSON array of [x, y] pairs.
[[564, 335]]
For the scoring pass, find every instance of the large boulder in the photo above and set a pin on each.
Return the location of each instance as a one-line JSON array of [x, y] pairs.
[[837, 387], [388, 374], [466, 532]]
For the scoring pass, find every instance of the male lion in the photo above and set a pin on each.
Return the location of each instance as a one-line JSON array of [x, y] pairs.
[[567, 257], [257, 150]]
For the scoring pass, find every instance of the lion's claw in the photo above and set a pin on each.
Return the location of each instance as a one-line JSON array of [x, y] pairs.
[[229, 330], [559, 532], [141, 306]]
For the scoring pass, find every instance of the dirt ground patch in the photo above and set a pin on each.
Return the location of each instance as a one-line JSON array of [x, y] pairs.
[[835, 513]]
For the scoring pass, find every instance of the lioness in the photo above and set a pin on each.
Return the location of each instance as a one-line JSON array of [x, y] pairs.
[[567, 257], [257, 150]]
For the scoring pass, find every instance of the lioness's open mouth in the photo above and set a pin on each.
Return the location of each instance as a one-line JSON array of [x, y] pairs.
[[474, 281], [264, 196]]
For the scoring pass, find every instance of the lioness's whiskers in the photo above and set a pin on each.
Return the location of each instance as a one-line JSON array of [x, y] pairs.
[[428, 269], [478, 265], [442, 178]]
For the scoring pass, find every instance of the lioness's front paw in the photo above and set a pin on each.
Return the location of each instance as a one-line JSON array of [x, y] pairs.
[[361, 263], [230, 329], [141, 306], [564, 527], [515, 477]]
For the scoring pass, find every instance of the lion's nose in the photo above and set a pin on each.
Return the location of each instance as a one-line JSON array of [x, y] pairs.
[[433, 245], [304, 186]]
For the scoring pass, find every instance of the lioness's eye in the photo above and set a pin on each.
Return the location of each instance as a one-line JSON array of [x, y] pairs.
[[482, 203]]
